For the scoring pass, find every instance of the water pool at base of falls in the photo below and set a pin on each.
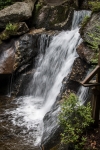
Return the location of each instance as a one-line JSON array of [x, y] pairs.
[[22, 118]]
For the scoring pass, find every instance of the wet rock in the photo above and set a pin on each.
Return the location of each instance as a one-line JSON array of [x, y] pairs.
[[17, 12], [7, 58], [26, 48], [85, 52], [78, 70]]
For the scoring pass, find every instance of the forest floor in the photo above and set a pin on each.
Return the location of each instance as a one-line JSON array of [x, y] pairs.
[[93, 139]]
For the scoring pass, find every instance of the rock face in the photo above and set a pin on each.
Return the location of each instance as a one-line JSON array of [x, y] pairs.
[[85, 52], [78, 70], [57, 2], [17, 12], [91, 31], [91, 36], [52, 16], [7, 59], [26, 48]]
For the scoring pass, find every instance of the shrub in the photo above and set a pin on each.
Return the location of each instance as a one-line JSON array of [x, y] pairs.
[[74, 118]]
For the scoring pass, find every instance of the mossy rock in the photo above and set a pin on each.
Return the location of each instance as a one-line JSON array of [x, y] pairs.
[[13, 29], [94, 6], [91, 34], [52, 17]]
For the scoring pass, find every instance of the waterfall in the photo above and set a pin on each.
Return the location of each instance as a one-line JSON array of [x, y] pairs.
[[54, 63]]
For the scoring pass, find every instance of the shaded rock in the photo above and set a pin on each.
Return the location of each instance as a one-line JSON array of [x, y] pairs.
[[5, 84], [17, 12], [91, 35], [79, 68], [91, 32], [52, 17], [7, 58], [26, 48], [85, 52], [58, 2], [14, 29]]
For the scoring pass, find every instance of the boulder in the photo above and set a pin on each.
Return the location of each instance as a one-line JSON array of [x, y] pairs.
[[53, 17], [91, 35], [78, 70], [57, 2], [85, 52], [26, 48], [7, 54], [17, 12], [13, 29], [7, 58]]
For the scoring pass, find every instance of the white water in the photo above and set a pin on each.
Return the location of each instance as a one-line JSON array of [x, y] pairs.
[[52, 67]]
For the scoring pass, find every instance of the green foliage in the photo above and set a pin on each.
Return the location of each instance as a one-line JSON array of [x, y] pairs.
[[85, 21], [74, 118], [95, 6], [38, 6], [10, 27]]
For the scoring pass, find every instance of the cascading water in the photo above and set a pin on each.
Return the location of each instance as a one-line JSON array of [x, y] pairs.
[[52, 67]]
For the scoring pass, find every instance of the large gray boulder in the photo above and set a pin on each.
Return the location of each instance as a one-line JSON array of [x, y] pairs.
[[19, 11]]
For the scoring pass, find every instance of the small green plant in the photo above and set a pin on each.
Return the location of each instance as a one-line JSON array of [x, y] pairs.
[[38, 6], [95, 6], [74, 118], [10, 27]]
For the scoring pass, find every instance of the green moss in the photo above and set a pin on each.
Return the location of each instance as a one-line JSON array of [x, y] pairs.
[[11, 29], [84, 22], [94, 39], [59, 14], [95, 6], [38, 6], [4, 36], [94, 60]]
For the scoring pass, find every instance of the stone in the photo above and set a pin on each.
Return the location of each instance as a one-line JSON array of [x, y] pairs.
[[79, 69], [26, 48], [57, 2], [85, 52], [14, 29], [53, 17], [91, 32], [17, 12], [7, 58], [91, 35]]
